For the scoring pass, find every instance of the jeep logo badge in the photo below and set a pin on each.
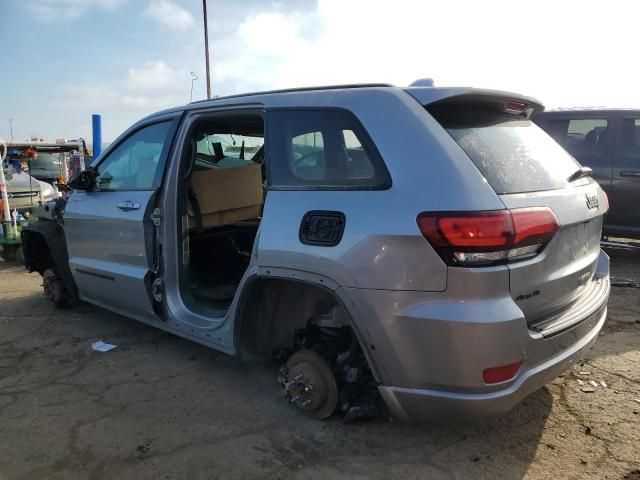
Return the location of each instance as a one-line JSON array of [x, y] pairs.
[[592, 201]]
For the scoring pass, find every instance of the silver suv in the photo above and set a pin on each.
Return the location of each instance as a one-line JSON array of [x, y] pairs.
[[429, 246]]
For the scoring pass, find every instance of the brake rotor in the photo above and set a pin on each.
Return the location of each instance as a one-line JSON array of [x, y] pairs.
[[54, 288], [310, 384]]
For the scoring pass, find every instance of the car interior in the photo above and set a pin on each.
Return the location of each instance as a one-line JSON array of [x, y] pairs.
[[222, 197], [225, 187]]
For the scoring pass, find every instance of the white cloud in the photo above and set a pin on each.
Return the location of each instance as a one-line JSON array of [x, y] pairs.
[[155, 76], [569, 52], [107, 98], [57, 9], [271, 34], [170, 15], [557, 51], [151, 87]]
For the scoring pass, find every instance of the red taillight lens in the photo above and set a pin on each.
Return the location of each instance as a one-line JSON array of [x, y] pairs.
[[490, 230], [533, 225], [501, 374], [515, 107], [486, 238]]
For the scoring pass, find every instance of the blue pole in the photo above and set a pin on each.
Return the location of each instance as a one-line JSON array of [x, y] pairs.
[[96, 124]]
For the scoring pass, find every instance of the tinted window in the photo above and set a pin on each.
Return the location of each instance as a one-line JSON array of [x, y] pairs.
[[584, 138], [221, 146], [630, 143], [47, 161], [133, 164], [511, 152], [228, 141], [322, 149]]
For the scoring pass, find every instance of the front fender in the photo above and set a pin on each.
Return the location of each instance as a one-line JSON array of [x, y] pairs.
[[45, 246]]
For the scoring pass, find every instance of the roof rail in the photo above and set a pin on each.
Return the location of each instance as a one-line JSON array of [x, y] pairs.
[[299, 89]]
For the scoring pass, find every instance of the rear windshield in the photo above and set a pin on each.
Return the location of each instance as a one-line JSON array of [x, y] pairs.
[[511, 152]]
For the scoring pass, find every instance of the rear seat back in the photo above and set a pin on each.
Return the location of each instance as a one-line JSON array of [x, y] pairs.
[[228, 195]]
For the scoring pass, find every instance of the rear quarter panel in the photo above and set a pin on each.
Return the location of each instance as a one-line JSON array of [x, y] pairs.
[[382, 247]]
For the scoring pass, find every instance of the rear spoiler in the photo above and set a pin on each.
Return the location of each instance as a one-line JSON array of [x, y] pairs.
[[459, 95]]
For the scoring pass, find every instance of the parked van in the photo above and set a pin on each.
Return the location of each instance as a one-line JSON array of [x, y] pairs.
[[608, 141], [432, 245]]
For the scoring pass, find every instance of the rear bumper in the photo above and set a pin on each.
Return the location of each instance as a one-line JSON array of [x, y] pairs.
[[429, 349], [424, 404]]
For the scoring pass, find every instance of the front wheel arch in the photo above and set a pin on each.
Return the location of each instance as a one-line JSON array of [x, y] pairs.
[[44, 247]]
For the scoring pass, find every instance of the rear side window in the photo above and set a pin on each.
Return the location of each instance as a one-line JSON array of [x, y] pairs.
[[585, 138], [630, 144], [512, 153], [322, 149]]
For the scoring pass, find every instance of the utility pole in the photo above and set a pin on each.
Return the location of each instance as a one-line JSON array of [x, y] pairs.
[[11, 128], [206, 47]]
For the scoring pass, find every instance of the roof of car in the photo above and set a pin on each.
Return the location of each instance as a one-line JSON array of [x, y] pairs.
[[424, 95]]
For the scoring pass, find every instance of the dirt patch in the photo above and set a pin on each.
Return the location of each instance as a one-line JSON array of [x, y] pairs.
[[162, 407]]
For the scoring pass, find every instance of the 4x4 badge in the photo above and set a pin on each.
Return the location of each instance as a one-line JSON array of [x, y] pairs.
[[592, 201]]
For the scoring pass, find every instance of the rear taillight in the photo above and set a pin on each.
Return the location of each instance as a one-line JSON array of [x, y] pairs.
[[484, 238], [515, 107]]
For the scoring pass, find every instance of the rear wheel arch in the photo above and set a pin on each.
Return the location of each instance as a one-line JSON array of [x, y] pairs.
[[271, 309]]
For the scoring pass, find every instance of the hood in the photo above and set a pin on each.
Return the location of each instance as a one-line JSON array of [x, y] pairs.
[[20, 182]]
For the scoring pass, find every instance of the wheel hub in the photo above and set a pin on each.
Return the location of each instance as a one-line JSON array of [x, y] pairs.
[[54, 288], [307, 382]]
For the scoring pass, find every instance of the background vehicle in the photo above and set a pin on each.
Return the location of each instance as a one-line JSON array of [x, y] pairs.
[[608, 141], [48, 167], [444, 253], [26, 192]]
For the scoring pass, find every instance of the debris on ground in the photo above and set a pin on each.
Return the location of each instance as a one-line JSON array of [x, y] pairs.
[[588, 389], [624, 282], [594, 383], [102, 346], [603, 383]]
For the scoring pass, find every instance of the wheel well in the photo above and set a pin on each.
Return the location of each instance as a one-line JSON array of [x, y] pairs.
[[38, 257], [44, 247], [272, 310]]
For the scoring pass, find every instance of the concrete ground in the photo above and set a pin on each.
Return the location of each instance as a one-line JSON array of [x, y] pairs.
[[162, 407]]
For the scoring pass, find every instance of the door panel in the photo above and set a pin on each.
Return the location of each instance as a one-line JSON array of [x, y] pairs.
[[110, 235], [109, 248], [625, 188]]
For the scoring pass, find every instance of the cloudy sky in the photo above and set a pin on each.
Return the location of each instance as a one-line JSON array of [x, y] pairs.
[[65, 59]]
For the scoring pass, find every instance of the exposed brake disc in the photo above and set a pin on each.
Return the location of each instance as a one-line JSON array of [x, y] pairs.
[[54, 288], [307, 382]]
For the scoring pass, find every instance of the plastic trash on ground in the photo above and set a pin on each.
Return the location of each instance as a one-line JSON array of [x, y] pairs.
[[102, 346]]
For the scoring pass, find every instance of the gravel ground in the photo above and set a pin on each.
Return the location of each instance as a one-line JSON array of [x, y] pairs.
[[162, 407]]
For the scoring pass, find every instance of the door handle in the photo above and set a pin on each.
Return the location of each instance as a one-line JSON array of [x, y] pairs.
[[630, 173], [126, 206]]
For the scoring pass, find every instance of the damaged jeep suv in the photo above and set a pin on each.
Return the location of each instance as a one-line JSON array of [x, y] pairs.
[[428, 246]]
